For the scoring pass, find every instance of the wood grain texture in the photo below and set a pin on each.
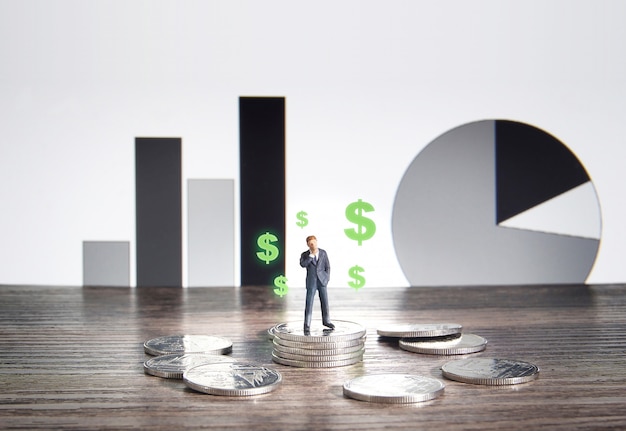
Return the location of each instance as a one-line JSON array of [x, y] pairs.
[[72, 358]]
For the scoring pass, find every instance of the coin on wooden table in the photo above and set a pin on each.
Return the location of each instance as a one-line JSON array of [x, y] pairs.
[[320, 358], [490, 371], [316, 364], [294, 331], [188, 343], [235, 379], [393, 388], [317, 352], [463, 345], [315, 345], [419, 330], [173, 366]]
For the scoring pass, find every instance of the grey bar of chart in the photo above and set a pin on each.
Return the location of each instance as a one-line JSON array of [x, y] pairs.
[[158, 211], [210, 232], [106, 263]]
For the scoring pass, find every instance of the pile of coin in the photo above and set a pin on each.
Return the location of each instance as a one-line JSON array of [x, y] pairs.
[[175, 354], [200, 361], [320, 347], [435, 338], [448, 339]]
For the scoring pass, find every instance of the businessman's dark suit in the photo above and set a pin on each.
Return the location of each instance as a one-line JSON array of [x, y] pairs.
[[317, 276]]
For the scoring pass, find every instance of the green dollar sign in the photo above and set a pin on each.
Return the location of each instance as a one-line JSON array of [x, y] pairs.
[[281, 285], [359, 280], [302, 220], [270, 252], [354, 214]]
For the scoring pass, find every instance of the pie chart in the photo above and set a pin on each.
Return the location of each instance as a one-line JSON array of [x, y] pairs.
[[496, 202]]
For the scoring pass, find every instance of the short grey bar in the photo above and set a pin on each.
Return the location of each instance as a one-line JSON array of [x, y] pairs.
[[106, 263]]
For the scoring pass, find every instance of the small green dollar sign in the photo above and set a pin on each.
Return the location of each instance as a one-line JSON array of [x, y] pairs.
[[281, 285], [359, 280], [270, 251], [354, 214], [302, 220]]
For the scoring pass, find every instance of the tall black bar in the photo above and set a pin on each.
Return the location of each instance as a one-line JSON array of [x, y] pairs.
[[262, 186], [158, 211]]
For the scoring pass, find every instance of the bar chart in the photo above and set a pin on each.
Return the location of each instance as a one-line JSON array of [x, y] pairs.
[[210, 223]]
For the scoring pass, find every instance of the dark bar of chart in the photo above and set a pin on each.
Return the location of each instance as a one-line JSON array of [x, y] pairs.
[[106, 263], [262, 188], [158, 212], [210, 232]]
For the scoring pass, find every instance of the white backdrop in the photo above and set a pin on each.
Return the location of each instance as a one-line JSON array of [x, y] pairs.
[[368, 84]]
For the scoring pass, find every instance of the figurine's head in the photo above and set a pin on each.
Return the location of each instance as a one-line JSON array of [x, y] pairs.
[[311, 241]]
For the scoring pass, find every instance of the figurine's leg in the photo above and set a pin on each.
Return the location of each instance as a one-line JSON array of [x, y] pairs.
[[323, 293], [308, 309]]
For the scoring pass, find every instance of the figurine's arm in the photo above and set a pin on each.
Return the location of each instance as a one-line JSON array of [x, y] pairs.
[[305, 259], [327, 264], [325, 269]]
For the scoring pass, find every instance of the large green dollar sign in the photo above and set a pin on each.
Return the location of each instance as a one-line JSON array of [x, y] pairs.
[[281, 285], [270, 251], [302, 220], [359, 280], [366, 228]]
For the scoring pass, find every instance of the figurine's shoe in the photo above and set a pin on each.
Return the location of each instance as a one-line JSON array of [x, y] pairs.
[[329, 325], [307, 330]]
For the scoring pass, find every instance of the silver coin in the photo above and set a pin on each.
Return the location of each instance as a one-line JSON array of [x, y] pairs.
[[420, 330], [393, 388], [270, 333], [235, 379], [319, 364], [463, 345], [343, 331], [173, 366], [326, 358], [171, 344], [317, 352], [315, 345], [488, 371]]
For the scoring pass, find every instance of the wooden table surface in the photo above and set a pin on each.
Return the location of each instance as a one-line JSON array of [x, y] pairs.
[[72, 358]]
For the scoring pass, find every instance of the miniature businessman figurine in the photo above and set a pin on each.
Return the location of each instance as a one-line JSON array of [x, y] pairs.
[[317, 265]]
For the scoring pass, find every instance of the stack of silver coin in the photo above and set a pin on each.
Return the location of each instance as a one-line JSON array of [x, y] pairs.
[[320, 347], [435, 338]]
